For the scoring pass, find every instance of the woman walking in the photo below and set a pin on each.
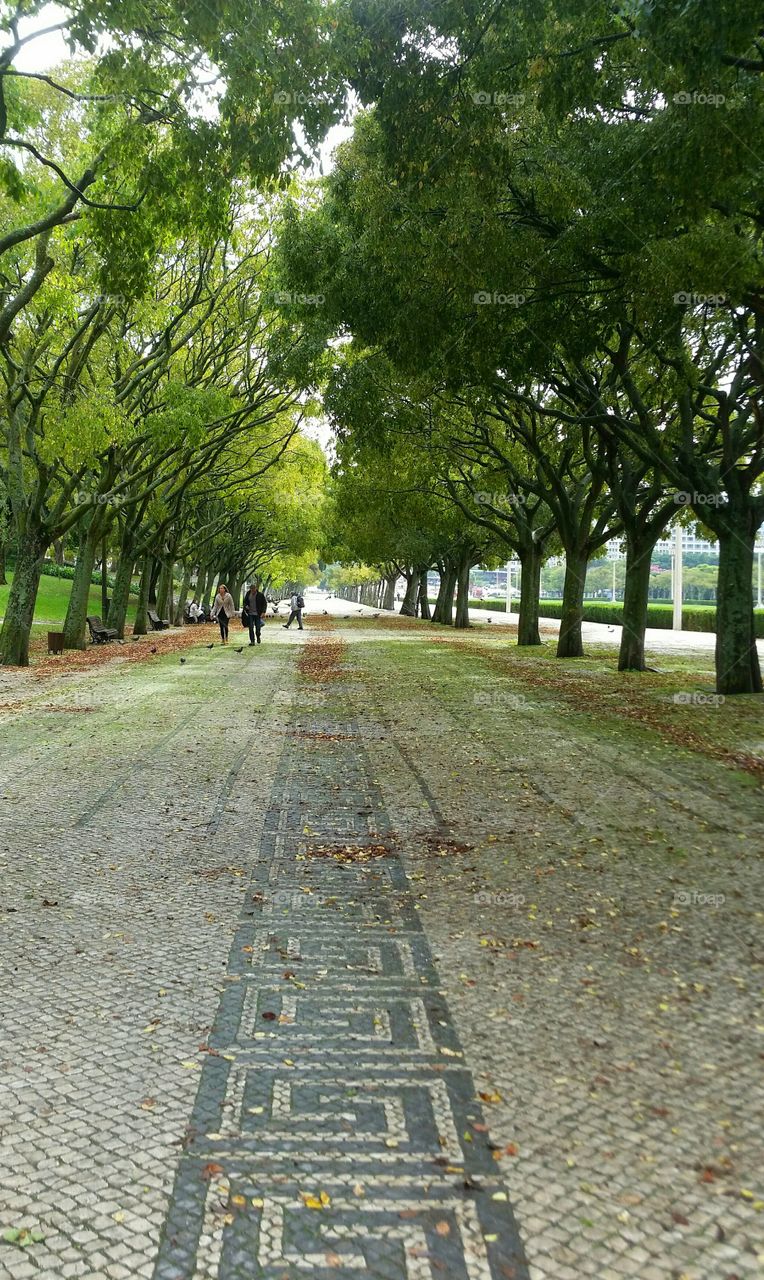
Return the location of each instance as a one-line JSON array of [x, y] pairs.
[[223, 609]]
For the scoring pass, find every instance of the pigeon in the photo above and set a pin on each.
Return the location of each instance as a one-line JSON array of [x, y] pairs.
[[346, 616], [182, 660], [240, 650], [375, 615], [326, 613], [153, 648], [489, 619], [209, 646]]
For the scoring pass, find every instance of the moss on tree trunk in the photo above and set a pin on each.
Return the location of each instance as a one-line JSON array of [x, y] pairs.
[[19, 611]]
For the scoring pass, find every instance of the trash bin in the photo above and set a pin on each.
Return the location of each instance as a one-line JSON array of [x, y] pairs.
[[55, 642]]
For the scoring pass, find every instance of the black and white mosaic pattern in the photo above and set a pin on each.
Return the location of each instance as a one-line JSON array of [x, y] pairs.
[[333, 1130]]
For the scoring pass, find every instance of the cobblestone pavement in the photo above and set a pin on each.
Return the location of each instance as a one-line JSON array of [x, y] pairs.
[[279, 949], [335, 1129]]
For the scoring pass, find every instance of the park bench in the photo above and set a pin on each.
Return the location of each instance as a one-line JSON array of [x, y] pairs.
[[157, 623], [99, 634]]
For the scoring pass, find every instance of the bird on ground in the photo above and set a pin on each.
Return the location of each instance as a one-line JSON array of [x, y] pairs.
[[359, 610], [182, 661], [489, 619], [240, 650], [209, 646], [326, 613], [375, 615], [346, 616], [153, 648]]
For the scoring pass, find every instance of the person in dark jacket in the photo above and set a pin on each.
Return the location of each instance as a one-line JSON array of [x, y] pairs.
[[254, 610]]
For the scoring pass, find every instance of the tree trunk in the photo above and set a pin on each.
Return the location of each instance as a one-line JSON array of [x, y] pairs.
[[58, 551], [19, 611], [437, 613], [120, 596], [446, 615], [388, 600], [180, 608], [170, 593], [155, 572], [140, 626], [463, 593], [531, 559], [3, 579], [409, 600], [104, 577], [570, 643], [424, 603], [205, 596], [163, 589], [75, 626], [639, 555], [737, 659]]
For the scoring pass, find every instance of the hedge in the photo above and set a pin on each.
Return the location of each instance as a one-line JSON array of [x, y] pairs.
[[661, 616]]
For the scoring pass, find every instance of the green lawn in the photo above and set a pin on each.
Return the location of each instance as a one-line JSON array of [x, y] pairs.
[[53, 598]]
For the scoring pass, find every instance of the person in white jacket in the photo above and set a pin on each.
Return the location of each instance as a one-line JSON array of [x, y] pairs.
[[223, 609]]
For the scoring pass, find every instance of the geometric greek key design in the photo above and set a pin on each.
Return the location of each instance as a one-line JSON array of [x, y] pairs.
[[328, 1135]]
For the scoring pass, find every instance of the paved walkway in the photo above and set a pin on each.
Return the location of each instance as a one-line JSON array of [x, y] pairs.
[[350, 973], [335, 1128]]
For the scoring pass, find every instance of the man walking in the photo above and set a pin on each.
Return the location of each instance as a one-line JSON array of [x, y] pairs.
[[296, 606], [255, 607]]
